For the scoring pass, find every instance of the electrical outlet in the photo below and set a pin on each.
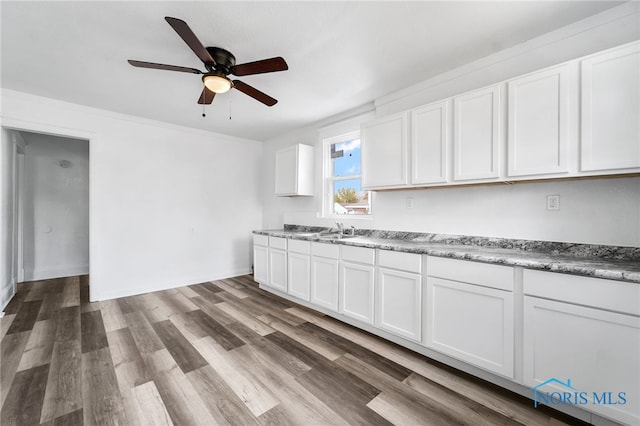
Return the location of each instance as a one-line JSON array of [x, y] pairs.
[[553, 202], [409, 203]]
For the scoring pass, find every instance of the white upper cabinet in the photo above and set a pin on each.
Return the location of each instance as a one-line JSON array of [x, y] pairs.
[[580, 118], [610, 109], [476, 135], [384, 152], [294, 171], [430, 136], [538, 122]]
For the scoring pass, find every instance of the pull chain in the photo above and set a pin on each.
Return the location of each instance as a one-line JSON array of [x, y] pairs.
[[203, 104], [229, 109]]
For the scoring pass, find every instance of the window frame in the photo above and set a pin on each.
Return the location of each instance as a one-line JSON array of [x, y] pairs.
[[328, 180]]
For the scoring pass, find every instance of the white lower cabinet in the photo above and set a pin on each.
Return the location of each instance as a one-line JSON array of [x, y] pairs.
[[299, 269], [399, 294], [467, 319], [261, 259], [597, 350], [577, 334], [357, 283], [278, 263], [324, 275], [299, 275]]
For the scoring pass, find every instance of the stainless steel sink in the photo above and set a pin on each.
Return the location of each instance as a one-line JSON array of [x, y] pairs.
[[334, 236], [305, 234]]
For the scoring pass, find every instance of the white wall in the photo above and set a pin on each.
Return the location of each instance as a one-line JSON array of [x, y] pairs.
[[169, 206], [56, 207], [599, 211]]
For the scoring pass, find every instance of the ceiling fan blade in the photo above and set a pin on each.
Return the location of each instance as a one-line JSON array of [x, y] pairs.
[[260, 67], [206, 97], [190, 38], [142, 64], [254, 93]]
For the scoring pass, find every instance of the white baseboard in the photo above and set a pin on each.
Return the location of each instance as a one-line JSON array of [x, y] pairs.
[[6, 295], [96, 295], [69, 271]]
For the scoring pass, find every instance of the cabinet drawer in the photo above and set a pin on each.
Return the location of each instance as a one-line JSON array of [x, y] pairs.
[[298, 246], [325, 250], [611, 295], [260, 240], [484, 274], [278, 243], [358, 254], [397, 260]]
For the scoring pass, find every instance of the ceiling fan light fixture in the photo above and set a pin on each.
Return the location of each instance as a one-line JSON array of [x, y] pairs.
[[217, 82]]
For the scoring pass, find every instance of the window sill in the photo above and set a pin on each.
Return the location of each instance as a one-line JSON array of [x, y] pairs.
[[345, 216]]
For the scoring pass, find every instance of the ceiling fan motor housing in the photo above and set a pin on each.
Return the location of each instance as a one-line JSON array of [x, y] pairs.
[[224, 59]]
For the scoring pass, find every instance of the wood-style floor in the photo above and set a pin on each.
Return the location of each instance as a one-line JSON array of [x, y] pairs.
[[222, 352]]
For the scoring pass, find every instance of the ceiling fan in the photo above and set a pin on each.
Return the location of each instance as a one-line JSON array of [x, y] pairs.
[[219, 64]]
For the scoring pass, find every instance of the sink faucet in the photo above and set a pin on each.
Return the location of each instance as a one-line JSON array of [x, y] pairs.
[[340, 227], [351, 231]]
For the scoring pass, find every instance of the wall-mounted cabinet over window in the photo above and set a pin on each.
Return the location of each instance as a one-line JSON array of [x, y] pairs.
[[294, 171]]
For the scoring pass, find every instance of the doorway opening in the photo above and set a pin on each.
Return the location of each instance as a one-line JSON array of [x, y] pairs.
[[45, 226]]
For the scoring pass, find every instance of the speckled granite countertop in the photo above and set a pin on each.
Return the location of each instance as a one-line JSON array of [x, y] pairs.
[[610, 262]]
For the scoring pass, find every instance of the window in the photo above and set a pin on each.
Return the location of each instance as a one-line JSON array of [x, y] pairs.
[[343, 182]]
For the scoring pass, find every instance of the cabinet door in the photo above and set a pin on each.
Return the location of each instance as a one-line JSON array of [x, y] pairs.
[[261, 264], [399, 303], [472, 323], [429, 142], [599, 351], [538, 122], [278, 269], [287, 171], [324, 282], [610, 107], [384, 152], [356, 291], [299, 275], [476, 135]]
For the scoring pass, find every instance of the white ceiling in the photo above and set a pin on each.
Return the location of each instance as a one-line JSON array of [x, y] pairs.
[[341, 55]]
